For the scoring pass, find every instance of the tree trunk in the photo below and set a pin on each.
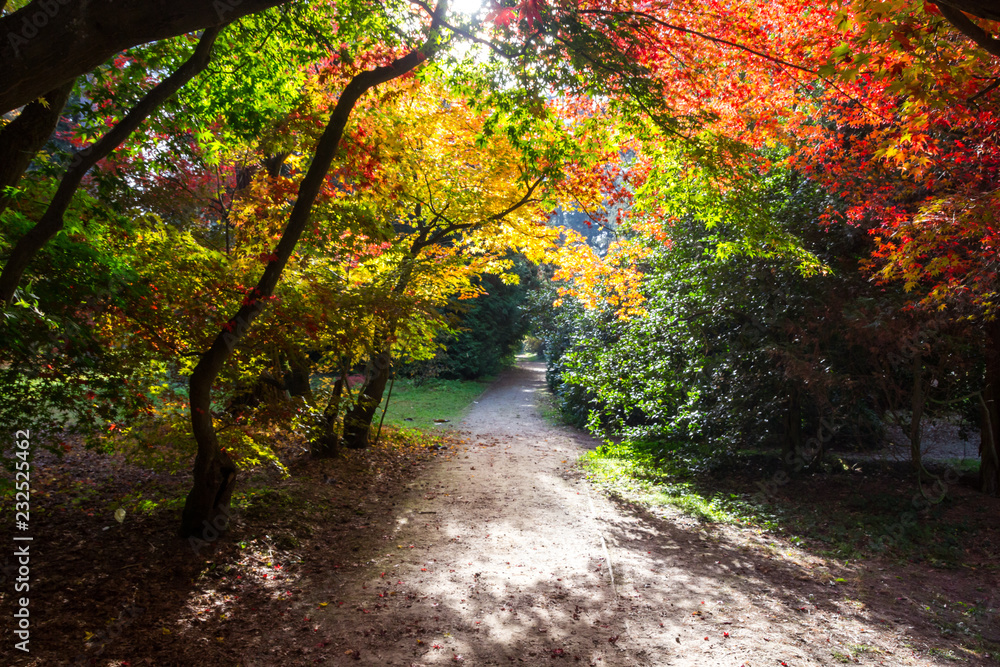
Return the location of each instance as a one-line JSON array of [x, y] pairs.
[[214, 470], [358, 420], [297, 377], [210, 481], [953, 11], [327, 445], [917, 401], [24, 136], [989, 469], [792, 436]]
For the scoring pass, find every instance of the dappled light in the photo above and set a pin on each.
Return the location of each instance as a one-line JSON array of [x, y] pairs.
[[598, 332]]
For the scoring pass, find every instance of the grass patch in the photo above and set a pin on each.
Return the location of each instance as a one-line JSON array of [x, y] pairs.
[[258, 503], [965, 466], [418, 405], [638, 478], [947, 654], [547, 409], [864, 649], [149, 502]]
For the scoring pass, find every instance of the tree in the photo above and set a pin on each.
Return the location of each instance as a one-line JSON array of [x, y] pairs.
[[711, 349], [214, 471], [375, 46], [460, 198], [915, 158], [22, 138]]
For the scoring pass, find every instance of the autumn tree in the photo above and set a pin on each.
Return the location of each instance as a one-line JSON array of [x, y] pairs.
[[455, 200], [49, 44], [214, 471], [885, 104], [913, 155]]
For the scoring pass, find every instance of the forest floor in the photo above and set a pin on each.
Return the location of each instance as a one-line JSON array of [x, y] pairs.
[[486, 547]]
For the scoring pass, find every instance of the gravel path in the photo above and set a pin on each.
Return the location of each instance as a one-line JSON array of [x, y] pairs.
[[940, 441], [502, 554]]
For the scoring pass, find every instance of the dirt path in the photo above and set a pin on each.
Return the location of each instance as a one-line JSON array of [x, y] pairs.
[[502, 554]]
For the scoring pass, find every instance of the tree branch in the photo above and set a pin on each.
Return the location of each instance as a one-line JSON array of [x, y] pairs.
[[702, 35], [518, 204], [967, 27], [984, 9], [52, 220], [47, 43], [210, 491], [24, 136], [985, 91]]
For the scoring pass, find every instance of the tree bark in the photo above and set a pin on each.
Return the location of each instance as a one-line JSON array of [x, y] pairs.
[[210, 493], [792, 436], [298, 375], [52, 220], [953, 12], [984, 9], [24, 136], [358, 420], [48, 43], [327, 444], [917, 403], [989, 445]]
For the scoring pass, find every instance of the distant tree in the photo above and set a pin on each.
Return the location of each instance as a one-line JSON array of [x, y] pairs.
[[488, 328]]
